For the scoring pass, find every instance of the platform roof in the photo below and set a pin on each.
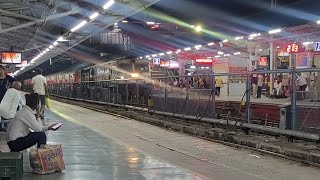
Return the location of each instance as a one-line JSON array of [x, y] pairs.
[[30, 26]]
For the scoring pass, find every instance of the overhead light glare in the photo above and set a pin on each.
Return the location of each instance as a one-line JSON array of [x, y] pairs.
[[55, 43], [220, 52], [198, 28], [198, 46], [307, 43], [124, 21], [94, 15], [108, 4], [169, 52], [237, 53], [147, 56], [217, 56], [210, 44], [51, 46], [275, 31], [79, 26], [154, 55], [151, 23], [187, 49], [161, 54], [226, 40], [238, 38], [60, 38]]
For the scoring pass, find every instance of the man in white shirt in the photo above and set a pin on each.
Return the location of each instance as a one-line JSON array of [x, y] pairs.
[[11, 101], [302, 83], [313, 84], [19, 136], [39, 84]]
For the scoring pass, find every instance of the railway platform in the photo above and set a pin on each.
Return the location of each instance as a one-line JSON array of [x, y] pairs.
[[102, 146]]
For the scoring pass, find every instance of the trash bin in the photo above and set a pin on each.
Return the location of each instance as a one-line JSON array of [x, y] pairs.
[[285, 116]]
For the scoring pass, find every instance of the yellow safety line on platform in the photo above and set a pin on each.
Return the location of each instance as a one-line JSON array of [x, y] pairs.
[[66, 117]]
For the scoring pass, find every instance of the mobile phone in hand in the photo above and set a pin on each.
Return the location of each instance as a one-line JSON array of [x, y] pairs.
[[57, 126]]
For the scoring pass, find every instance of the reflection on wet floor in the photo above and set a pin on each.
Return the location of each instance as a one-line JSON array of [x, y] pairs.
[[91, 156]]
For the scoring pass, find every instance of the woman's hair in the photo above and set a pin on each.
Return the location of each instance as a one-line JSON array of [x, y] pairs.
[[32, 100]]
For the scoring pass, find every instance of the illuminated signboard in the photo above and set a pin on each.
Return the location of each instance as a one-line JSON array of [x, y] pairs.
[[292, 48], [263, 61], [204, 60], [165, 64], [317, 46], [156, 61]]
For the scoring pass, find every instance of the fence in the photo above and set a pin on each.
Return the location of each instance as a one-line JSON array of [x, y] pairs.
[[286, 106]]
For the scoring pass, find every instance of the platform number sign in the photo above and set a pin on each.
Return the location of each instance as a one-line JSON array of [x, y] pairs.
[[156, 61], [317, 46], [292, 48]]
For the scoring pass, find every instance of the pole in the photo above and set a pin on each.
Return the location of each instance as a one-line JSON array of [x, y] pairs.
[[127, 92], [165, 94], [271, 65], [213, 95], [293, 99], [248, 95]]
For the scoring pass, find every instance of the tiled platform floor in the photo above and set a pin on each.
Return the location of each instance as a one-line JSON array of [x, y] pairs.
[[89, 155], [101, 146]]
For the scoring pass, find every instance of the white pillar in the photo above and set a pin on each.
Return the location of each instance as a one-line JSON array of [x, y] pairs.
[[271, 64]]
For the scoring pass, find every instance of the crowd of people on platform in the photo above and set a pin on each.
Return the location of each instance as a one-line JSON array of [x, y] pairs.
[[282, 88], [19, 111]]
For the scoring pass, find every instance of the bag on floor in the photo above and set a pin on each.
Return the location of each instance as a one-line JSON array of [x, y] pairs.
[[48, 102], [47, 159]]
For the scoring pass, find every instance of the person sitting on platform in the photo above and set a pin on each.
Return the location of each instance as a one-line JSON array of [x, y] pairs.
[[278, 90], [19, 136], [11, 101]]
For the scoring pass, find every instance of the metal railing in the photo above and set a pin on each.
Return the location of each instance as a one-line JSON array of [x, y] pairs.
[[288, 112]]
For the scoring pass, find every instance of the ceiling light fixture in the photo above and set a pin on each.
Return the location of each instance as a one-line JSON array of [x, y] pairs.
[[108, 4], [274, 31], [94, 15], [79, 26]]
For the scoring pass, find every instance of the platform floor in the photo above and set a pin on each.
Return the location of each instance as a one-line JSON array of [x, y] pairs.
[[89, 155], [101, 146]]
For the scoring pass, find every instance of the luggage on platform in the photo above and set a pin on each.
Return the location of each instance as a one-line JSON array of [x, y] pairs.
[[47, 159]]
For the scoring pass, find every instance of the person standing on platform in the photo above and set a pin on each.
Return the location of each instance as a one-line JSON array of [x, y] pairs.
[[5, 82], [302, 83], [254, 81], [219, 85], [260, 85], [39, 84], [313, 84]]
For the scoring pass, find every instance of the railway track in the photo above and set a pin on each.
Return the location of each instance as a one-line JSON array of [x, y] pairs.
[[307, 153]]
